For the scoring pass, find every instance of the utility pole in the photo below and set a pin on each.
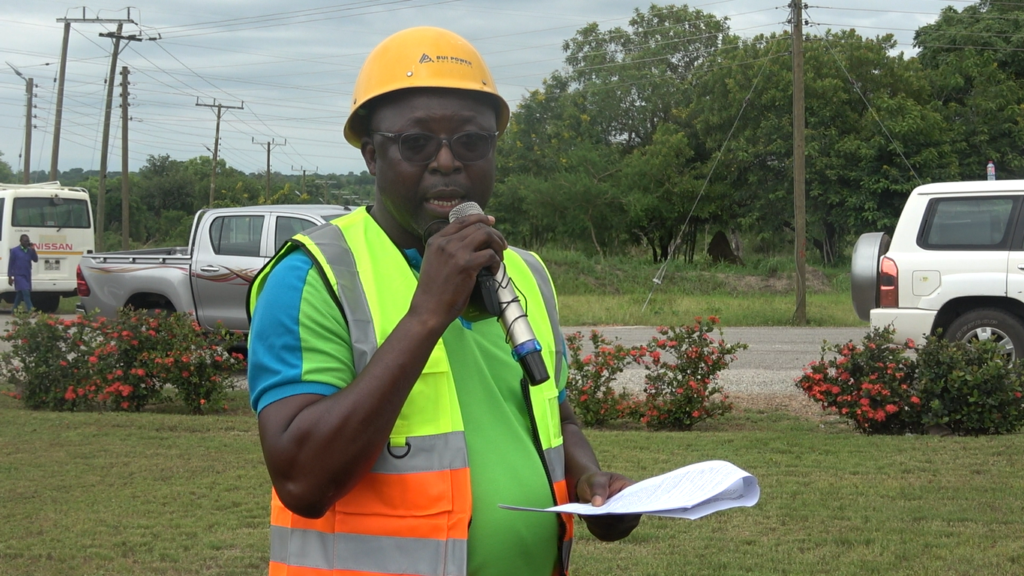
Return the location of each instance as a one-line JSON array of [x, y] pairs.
[[303, 170], [102, 189], [60, 82], [216, 140], [799, 166], [124, 158], [55, 153], [269, 146], [29, 89]]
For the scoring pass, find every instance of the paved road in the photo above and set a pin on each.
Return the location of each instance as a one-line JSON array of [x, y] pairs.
[[774, 360], [775, 357]]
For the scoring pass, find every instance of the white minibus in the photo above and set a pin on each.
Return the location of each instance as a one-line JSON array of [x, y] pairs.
[[58, 220]]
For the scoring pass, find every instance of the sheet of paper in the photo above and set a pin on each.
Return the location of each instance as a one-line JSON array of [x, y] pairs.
[[689, 492]]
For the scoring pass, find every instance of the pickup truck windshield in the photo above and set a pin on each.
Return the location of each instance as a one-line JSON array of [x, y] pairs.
[[43, 213]]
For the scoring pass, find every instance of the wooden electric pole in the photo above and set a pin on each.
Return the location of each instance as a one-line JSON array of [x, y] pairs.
[[124, 159], [60, 81], [799, 166], [269, 146], [29, 89], [58, 113], [102, 188], [216, 141], [303, 170]]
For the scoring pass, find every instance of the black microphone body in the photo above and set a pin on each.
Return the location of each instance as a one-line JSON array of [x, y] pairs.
[[495, 295]]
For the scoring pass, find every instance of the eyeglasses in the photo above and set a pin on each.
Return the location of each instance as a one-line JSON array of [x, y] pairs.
[[423, 147]]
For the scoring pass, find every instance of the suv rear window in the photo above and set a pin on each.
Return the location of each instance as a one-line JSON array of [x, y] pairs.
[[968, 223]]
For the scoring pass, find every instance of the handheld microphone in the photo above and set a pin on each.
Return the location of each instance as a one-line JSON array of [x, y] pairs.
[[496, 295]]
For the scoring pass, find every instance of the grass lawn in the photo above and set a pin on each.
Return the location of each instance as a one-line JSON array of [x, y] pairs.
[[161, 493]]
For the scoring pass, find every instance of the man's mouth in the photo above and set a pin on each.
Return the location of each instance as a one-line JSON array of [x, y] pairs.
[[444, 202]]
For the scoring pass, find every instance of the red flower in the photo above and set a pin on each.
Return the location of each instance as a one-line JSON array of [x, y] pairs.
[[891, 408], [910, 342], [916, 400], [93, 359], [679, 390], [202, 401], [696, 414], [584, 397], [125, 405], [185, 373]]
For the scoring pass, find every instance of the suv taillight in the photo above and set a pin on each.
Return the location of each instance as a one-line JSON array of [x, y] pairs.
[[83, 286], [889, 284]]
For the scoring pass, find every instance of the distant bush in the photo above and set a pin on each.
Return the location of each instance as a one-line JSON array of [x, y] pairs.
[[124, 363], [966, 388]]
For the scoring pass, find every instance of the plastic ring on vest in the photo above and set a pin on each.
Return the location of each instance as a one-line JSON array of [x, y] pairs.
[[408, 448]]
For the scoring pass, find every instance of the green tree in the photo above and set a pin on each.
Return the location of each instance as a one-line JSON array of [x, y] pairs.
[[975, 61], [6, 174]]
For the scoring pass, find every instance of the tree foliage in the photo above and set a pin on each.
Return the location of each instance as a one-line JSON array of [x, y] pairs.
[[644, 120]]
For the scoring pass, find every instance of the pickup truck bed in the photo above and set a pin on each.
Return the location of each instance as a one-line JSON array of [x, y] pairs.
[[211, 276]]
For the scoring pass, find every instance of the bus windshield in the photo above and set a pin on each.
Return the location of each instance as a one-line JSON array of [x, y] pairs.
[[45, 213]]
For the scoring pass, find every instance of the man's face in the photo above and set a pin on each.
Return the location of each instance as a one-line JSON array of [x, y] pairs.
[[25, 241], [411, 196]]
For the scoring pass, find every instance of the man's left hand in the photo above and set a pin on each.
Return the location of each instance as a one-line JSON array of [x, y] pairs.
[[596, 488]]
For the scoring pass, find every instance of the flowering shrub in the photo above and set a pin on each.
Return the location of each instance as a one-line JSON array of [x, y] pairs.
[[48, 361], [118, 364], [867, 384], [589, 386], [969, 389], [680, 386], [683, 364]]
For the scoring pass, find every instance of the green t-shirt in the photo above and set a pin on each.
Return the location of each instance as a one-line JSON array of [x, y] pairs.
[[505, 467]]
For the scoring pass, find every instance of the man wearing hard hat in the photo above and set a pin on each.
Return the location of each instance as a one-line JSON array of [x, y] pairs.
[[392, 427]]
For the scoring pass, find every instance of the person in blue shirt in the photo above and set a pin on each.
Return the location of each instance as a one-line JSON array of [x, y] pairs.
[[19, 272]]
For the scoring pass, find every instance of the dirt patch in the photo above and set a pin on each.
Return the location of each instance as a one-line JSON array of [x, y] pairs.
[[777, 284], [798, 405]]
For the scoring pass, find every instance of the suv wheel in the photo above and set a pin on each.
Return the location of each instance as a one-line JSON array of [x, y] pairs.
[[993, 324], [868, 250]]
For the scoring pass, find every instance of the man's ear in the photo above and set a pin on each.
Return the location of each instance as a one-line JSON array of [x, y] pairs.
[[369, 152]]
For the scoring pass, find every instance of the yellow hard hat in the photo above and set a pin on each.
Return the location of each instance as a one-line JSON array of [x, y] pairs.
[[422, 57]]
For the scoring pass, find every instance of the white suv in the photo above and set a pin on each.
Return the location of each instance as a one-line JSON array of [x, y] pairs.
[[955, 263]]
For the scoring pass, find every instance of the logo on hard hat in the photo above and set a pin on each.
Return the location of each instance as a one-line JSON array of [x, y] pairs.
[[426, 59]]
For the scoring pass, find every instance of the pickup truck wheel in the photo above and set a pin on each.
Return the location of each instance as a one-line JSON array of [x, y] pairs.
[[993, 324], [47, 303]]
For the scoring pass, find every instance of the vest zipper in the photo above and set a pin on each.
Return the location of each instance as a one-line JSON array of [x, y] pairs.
[[535, 434]]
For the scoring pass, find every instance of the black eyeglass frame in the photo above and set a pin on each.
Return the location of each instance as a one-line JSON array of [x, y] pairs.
[[492, 137]]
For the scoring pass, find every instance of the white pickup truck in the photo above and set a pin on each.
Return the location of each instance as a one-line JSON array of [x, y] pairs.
[[955, 264], [210, 277]]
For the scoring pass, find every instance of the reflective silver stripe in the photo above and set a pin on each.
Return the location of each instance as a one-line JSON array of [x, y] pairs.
[[547, 291], [297, 547], [336, 252], [424, 454], [555, 458], [455, 558], [364, 553], [566, 553]]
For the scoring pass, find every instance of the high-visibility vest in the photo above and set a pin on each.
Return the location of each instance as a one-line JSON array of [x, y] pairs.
[[410, 514]]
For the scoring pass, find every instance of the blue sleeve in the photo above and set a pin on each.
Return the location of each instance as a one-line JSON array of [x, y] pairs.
[[275, 347], [35, 257]]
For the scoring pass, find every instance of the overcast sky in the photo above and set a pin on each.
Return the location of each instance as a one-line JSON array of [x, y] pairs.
[[294, 64]]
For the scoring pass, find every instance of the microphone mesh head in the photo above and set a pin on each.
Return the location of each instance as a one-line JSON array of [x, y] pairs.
[[464, 209]]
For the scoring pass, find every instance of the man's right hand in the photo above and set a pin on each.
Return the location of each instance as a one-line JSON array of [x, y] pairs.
[[10, 280], [451, 261]]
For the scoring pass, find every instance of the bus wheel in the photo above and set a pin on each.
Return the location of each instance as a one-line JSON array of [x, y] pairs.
[[47, 303]]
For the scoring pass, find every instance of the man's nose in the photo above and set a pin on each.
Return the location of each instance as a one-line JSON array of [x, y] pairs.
[[445, 162]]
